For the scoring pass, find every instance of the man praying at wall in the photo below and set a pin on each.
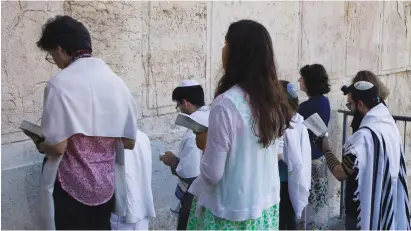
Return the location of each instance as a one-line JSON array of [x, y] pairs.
[[373, 165], [189, 96]]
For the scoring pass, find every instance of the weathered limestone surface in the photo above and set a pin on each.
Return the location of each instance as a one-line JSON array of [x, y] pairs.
[[153, 45], [24, 74]]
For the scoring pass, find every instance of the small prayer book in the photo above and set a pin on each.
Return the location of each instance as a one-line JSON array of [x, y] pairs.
[[190, 123], [33, 131], [316, 125]]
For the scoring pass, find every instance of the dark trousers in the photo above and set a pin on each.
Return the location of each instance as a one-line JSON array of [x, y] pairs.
[[287, 215], [184, 213], [71, 214], [351, 223]]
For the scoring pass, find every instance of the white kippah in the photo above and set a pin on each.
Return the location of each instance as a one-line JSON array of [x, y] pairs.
[[292, 90], [363, 85], [188, 83]]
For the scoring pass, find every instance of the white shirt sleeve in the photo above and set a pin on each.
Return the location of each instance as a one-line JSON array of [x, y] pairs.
[[190, 157], [219, 139]]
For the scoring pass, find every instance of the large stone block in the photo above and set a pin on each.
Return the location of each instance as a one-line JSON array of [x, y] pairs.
[[24, 69], [395, 44], [119, 36], [281, 20], [363, 41], [20, 197], [177, 50], [323, 36], [15, 155]]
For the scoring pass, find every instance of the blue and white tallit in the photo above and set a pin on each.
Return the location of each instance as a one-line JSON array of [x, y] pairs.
[[382, 176]]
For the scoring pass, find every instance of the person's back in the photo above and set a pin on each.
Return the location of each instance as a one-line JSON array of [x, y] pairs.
[[314, 82], [239, 185], [90, 80], [88, 118], [297, 155], [381, 172], [295, 165], [89, 159], [133, 187], [250, 179], [373, 163], [189, 97]]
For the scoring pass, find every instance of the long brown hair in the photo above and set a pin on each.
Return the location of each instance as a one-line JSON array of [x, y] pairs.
[[250, 64], [368, 76]]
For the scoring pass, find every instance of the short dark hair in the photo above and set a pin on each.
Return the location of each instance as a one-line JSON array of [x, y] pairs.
[[193, 94], [291, 100], [315, 79], [64, 31], [369, 103]]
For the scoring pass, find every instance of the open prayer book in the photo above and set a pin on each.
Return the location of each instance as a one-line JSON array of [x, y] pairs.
[[316, 125], [190, 123], [33, 131]]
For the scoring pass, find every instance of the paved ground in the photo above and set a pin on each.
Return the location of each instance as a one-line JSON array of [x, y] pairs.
[[336, 223]]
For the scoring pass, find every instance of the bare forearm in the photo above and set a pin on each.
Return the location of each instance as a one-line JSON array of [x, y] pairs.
[[55, 150], [49, 149], [128, 143]]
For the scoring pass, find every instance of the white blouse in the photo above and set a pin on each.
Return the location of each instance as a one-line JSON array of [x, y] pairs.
[[239, 178]]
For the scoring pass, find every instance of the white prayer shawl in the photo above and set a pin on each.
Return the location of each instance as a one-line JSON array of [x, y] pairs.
[[84, 98], [382, 178], [297, 156], [133, 193]]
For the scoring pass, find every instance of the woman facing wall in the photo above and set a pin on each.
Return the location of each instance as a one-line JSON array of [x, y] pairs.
[[239, 186], [314, 82]]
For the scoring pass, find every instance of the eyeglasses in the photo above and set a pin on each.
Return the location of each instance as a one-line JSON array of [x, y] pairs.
[[348, 105], [178, 106], [50, 59]]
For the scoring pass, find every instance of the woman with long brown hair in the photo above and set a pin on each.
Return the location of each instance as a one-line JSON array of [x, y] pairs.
[[239, 185]]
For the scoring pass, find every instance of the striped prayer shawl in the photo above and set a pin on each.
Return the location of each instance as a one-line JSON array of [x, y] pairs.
[[388, 209]]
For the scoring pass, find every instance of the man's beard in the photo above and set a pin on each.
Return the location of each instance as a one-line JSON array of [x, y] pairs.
[[356, 122]]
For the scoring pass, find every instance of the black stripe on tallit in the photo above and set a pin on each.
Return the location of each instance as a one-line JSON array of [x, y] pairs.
[[402, 177], [387, 226], [375, 171], [384, 204], [385, 191], [386, 215], [403, 170]]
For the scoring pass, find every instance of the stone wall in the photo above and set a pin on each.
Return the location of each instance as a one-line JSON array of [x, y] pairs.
[[153, 45]]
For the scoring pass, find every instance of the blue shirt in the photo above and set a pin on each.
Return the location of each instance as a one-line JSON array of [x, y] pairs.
[[283, 169], [316, 104]]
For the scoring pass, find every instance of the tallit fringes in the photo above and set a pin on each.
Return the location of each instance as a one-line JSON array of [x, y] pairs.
[[357, 178], [358, 222]]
